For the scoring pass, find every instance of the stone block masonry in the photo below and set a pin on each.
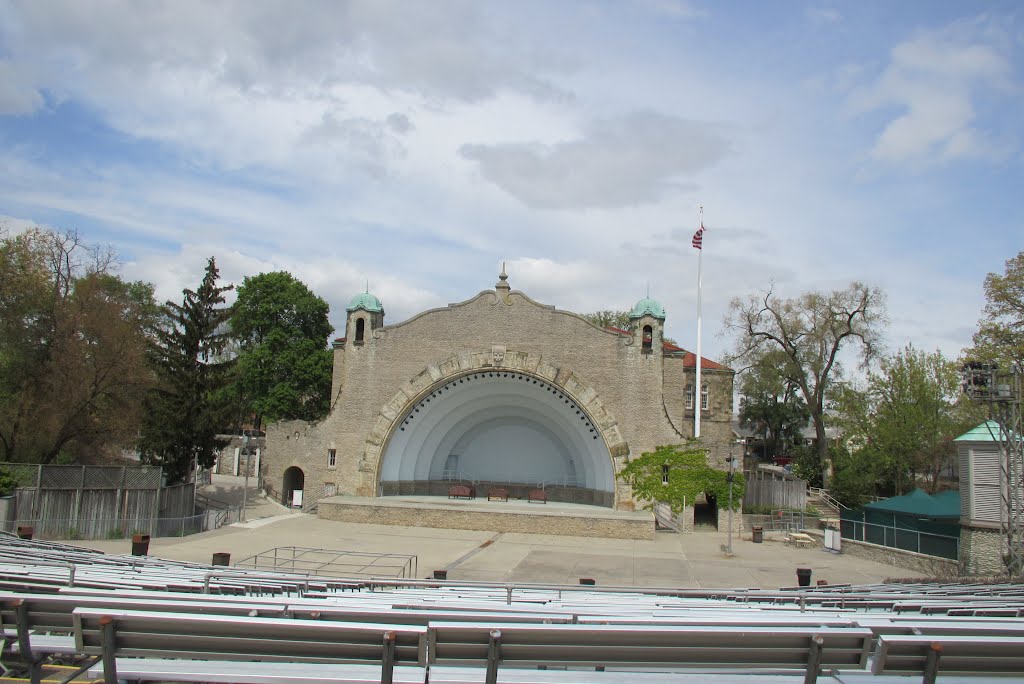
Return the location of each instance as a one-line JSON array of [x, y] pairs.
[[466, 516]]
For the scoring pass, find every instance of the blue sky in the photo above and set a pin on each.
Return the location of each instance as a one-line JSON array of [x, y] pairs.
[[416, 146]]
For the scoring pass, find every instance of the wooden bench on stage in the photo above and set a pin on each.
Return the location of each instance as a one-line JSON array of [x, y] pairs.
[[462, 491], [474, 652], [538, 496], [497, 494], [137, 644]]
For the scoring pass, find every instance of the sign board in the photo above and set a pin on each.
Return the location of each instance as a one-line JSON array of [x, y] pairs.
[[297, 498]]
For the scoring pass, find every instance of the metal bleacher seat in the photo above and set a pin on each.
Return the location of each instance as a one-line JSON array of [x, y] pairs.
[[228, 646], [764, 650]]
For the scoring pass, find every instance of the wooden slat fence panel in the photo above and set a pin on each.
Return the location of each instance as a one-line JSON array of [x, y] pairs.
[[773, 494]]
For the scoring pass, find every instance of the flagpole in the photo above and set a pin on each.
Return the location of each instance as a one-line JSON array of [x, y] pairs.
[[697, 389]]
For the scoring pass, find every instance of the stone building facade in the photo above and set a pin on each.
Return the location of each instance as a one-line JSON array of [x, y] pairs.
[[497, 390]]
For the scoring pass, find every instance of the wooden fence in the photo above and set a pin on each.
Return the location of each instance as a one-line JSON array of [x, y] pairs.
[[95, 502], [769, 491]]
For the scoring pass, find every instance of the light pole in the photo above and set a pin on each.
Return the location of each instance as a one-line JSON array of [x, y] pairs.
[[729, 478], [245, 489]]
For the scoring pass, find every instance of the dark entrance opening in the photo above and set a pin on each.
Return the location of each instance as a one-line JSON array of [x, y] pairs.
[[705, 511], [294, 481]]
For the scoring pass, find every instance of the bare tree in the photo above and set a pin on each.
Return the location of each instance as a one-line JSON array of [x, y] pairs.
[[809, 330]]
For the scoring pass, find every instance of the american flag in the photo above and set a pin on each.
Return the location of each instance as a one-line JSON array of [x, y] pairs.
[[698, 237]]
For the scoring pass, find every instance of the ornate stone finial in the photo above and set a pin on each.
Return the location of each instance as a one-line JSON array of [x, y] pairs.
[[502, 283]]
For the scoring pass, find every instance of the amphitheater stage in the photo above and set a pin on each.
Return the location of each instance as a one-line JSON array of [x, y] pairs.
[[559, 518]]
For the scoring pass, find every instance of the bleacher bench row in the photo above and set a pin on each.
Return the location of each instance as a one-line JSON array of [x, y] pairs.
[[203, 639]]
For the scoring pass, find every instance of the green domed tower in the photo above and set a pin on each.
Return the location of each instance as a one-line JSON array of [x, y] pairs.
[[648, 319], [365, 313]]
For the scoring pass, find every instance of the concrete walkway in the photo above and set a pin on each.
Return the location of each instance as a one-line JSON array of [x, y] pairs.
[[670, 560]]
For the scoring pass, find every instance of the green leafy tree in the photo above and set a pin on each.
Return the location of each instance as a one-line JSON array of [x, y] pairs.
[[1000, 335], [688, 474], [73, 339], [809, 331], [608, 318], [181, 420], [901, 426], [284, 366], [771, 405]]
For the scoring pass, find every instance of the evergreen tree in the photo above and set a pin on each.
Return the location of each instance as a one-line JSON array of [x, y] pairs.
[[181, 420]]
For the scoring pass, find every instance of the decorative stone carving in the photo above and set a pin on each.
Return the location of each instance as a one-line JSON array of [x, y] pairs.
[[498, 355]]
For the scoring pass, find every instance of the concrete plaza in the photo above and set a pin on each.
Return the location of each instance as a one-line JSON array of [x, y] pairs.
[[693, 560]]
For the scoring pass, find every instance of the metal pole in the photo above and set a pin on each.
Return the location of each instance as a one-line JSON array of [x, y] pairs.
[[732, 465], [245, 490]]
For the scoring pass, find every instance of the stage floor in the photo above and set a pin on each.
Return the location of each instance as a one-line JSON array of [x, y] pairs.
[[499, 516]]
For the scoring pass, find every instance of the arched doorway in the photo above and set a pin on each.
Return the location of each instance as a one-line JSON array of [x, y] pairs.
[[705, 511], [294, 482], [499, 427]]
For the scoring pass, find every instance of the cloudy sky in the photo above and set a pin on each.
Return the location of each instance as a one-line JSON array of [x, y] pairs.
[[417, 145]]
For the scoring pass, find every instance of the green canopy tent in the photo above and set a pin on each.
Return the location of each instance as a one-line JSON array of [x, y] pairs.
[[916, 522]]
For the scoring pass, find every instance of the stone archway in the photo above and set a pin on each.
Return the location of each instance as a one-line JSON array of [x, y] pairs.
[[569, 432], [293, 480]]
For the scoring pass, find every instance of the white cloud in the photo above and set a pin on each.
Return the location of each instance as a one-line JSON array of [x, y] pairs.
[[933, 83], [17, 95], [824, 15], [627, 161]]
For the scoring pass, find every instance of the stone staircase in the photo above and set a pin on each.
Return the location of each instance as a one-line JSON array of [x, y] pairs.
[[824, 502]]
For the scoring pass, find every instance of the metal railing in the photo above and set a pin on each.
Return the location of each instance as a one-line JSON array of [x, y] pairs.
[[119, 528], [333, 563], [926, 543], [825, 497]]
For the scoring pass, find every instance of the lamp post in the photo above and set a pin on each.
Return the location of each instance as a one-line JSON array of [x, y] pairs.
[[245, 489], [729, 479]]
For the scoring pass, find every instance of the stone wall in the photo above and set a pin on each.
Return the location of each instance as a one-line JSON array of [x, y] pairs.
[[634, 398], [632, 525], [981, 551]]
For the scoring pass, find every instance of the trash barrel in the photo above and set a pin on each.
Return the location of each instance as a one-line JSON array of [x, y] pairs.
[[587, 581], [221, 559], [140, 544], [440, 574], [803, 577], [758, 534], [25, 531]]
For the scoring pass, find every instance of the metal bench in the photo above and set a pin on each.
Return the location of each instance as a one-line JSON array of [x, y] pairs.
[[218, 645], [928, 655], [769, 650]]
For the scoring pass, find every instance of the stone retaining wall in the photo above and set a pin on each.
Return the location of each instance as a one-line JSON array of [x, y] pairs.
[[633, 525]]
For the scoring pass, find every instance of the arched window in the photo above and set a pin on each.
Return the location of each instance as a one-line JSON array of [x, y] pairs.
[[689, 397], [704, 398], [360, 330], [648, 339], [664, 473]]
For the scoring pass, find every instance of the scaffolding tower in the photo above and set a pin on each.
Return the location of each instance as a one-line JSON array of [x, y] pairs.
[[1001, 390]]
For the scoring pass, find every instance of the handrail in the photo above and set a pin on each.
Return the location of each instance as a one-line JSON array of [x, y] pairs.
[[827, 498], [663, 514]]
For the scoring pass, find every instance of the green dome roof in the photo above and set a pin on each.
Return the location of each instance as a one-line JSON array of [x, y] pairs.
[[648, 306], [367, 302]]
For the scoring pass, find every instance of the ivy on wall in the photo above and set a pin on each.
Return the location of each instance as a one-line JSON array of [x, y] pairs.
[[687, 474]]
